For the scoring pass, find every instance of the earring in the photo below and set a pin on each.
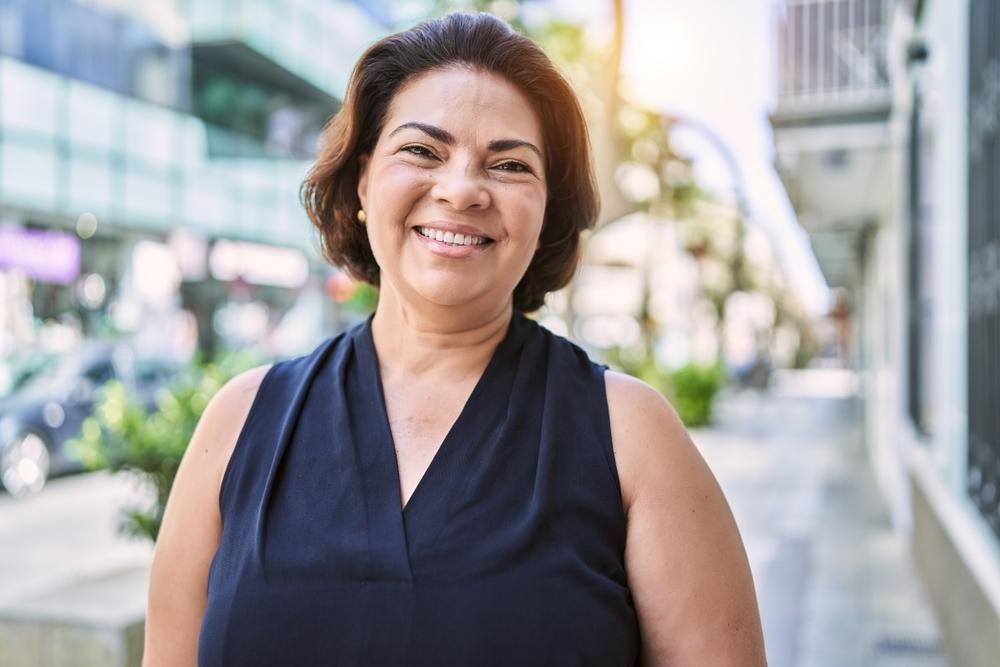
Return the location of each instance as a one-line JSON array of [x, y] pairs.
[[361, 216]]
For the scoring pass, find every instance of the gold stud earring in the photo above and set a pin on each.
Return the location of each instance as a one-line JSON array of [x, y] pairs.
[[361, 216]]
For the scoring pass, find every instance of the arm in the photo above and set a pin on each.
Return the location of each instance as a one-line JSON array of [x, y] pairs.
[[191, 528], [686, 565]]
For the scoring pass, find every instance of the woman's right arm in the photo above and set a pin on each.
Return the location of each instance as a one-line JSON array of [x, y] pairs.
[[191, 529]]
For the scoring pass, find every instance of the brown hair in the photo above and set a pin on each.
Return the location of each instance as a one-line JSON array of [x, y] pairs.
[[483, 42]]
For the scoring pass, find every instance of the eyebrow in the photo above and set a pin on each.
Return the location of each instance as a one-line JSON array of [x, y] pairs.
[[445, 137], [510, 144], [435, 133]]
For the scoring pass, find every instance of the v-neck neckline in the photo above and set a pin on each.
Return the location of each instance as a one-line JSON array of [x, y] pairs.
[[444, 452]]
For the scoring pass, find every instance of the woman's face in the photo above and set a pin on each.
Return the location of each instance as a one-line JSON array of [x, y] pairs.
[[454, 190]]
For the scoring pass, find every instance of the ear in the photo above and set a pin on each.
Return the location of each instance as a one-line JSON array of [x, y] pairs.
[[363, 162]]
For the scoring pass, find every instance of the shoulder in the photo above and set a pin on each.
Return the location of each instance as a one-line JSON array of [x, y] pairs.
[[228, 409], [242, 387], [659, 466], [646, 434], [223, 419]]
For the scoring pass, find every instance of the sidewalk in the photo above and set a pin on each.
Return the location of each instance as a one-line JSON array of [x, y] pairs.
[[65, 535], [835, 583]]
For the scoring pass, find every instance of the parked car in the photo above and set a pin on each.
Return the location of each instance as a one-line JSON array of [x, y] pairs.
[[47, 410]]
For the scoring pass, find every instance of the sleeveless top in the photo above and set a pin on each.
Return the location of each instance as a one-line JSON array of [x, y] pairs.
[[510, 550]]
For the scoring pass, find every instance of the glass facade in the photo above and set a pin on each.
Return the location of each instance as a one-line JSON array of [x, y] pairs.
[[88, 44], [78, 148]]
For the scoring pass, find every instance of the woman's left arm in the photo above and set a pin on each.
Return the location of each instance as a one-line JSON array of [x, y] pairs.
[[686, 564]]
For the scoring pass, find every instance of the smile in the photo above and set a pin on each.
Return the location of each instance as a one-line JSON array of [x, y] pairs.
[[452, 238]]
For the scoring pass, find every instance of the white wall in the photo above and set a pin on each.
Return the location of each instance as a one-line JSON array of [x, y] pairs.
[[945, 81]]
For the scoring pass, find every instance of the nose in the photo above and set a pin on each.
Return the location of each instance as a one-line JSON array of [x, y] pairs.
[[462, 187]]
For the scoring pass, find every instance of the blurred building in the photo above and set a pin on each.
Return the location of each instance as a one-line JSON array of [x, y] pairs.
[[886, 132], [150, 159]]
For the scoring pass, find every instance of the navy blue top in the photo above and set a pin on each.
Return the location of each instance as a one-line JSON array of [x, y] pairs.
[[510, 550]]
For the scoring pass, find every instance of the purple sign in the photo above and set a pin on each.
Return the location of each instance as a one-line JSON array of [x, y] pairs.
[[45, 255]]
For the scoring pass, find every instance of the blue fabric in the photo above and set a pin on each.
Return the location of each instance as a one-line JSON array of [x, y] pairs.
[[509, 551]]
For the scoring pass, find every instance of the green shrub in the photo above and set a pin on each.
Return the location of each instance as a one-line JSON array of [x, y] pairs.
[[692, 390], [121, 435]]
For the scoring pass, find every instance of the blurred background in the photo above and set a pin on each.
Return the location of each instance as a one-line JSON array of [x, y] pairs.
[[799, 246]]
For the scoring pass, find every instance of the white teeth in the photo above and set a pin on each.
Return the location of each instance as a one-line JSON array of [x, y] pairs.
[[450, 237]]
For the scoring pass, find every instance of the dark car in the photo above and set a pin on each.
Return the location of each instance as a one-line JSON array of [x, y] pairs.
[[47, 410]]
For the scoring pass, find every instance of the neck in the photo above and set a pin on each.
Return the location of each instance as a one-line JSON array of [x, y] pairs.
[[450, 341]]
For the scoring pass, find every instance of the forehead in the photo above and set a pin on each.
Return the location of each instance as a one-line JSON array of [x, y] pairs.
[[466, 102]]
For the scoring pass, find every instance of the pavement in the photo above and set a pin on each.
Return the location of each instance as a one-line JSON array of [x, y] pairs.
[[836, 587], [66, 535], [835, 583]]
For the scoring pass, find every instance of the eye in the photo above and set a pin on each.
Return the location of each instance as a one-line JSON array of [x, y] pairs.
[[514, 166], [418, 150]]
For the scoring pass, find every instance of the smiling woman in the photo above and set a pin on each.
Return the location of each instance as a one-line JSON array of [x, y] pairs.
[[448, 483], [394, 73]]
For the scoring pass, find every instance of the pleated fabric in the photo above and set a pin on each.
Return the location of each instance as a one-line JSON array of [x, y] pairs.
[[509, 552]]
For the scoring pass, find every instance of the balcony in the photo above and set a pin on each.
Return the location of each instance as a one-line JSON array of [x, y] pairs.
[[303, 47], [831, 124], [832, 62]]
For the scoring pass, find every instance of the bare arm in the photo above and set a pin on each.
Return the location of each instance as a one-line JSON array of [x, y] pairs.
[[189, 535], [686, 564]]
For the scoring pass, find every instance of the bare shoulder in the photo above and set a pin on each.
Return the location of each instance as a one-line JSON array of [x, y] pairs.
[[225, 415], [644, 430], [685, 560]]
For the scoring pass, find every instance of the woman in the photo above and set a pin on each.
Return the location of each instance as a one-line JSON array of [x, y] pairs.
[[448, 483]]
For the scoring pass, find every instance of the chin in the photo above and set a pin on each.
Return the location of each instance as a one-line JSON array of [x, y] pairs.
[[451, 293], [449, 287]]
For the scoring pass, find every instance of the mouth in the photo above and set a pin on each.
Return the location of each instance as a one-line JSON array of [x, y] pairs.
[[454, 239]]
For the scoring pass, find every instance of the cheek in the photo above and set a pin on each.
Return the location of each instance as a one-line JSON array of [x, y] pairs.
[[527, 209], [395, 188]]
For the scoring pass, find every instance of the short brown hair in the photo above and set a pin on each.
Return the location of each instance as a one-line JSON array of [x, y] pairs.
[[486, 43]]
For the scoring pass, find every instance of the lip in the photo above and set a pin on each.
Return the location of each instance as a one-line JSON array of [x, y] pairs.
[[452, 251], [455, 229]]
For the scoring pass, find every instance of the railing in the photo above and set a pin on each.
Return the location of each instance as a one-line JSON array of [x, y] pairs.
[[832, 53]]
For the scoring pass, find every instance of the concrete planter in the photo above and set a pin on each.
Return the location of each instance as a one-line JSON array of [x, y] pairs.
[[89, 623]]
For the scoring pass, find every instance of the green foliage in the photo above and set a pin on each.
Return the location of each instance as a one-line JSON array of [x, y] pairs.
[[691, 389], [121, 435]]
